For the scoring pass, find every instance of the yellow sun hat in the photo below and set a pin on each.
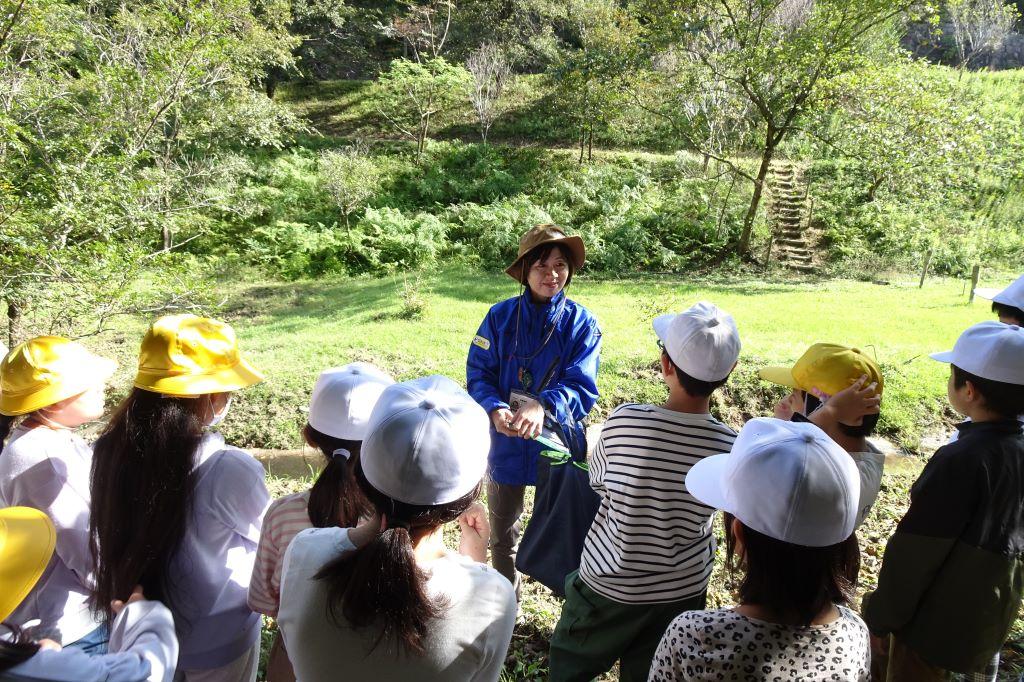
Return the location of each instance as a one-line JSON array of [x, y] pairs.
[[27, 539], [47, 369], [187, 355], [827, 367]]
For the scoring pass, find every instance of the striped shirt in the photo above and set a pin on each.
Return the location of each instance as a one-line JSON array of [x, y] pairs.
[[286, 518], [651, 540]]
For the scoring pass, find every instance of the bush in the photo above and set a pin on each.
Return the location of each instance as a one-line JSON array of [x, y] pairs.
[[390, 240]]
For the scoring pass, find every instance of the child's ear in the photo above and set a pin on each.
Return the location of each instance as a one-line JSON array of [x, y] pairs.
[[667, 369]]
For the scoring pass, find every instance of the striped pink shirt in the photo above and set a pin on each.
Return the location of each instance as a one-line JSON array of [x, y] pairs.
[[285, 519]]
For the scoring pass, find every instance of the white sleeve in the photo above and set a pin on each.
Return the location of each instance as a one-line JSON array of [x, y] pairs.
[[146, 629], [870, 466]]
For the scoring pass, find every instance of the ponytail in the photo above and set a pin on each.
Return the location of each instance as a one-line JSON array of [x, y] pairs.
[[381, 585], [142, 489], [17, 651], [335, 499]]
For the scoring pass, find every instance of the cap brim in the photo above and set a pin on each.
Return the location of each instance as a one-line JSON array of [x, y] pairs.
[[661, 324], [97, 372], [705, 481], [778, 375], [577, 252], [987, 293], [241, 375], [27, 541], [946, 356]]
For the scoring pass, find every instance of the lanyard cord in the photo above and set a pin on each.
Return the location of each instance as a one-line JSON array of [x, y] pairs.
[[551, 331]]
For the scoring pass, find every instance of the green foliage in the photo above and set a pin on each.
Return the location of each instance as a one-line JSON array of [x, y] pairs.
[[350, 178], [411, 93]]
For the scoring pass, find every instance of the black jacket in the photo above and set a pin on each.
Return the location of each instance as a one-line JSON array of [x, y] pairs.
[[953, 573]]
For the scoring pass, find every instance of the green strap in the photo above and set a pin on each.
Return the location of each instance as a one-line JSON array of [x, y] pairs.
[[559, 456]]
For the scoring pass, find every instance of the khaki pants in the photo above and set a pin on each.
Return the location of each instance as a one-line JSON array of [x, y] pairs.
[[505, 508], [242, 669], [279, 667], [903, 664]]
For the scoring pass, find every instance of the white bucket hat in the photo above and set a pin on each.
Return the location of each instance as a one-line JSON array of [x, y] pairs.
[[343, 398], [427, 442], [990, 350], [1012, 295], [702, 341], [787, 480]]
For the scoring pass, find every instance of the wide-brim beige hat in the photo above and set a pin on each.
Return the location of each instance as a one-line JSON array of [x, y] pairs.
[[546, 234]]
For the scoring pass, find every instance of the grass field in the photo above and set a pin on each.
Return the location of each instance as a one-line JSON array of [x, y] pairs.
[[293, 330]]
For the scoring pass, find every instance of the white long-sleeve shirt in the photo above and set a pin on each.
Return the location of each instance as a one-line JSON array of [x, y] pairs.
[[142, 648], [49, 470], [211, 571]]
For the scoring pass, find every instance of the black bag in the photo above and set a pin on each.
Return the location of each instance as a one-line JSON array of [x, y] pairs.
[[563, 509]]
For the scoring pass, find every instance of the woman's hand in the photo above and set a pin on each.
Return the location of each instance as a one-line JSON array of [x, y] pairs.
[[117, 606], [475, 530], [502, 420], [529, 420]]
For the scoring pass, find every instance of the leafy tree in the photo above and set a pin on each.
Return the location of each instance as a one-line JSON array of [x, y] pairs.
[[410, 94], [980, 26], [490, 71], [351, 178], [591, 75], [114, 125], [912, 130], [773, 56]]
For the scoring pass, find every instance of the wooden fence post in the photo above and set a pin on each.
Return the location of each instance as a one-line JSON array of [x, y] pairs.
[[975, 272], [924, 270]]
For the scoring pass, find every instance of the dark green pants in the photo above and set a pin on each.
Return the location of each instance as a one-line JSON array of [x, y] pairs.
[[594, 632]]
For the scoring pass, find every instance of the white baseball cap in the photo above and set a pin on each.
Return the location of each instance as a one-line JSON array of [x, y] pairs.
[[702, 341], [427, 442], [343, 398], [1012, 295], [787, 480], [990, 350]]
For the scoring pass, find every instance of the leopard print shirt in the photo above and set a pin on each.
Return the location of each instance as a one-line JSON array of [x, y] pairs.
[[725, 645]]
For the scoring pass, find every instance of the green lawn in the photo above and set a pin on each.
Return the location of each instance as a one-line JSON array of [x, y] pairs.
[[293, 330]]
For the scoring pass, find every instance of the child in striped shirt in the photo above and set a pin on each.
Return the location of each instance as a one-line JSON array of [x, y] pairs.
[[339, 409], [649, 552]]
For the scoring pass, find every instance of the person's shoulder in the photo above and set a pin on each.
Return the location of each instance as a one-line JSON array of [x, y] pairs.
[[502, 307], [236, 462], [579, 313], [314, 547], [287, 506], [705, 621], [483, 581]]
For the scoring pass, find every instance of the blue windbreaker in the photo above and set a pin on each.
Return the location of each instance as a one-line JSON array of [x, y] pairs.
[[497, 364]]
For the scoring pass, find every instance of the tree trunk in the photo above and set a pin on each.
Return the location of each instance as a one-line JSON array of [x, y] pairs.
[[583, 140], [874, 187], [13, 322], [590, 143], [168, 238], [755, 201]]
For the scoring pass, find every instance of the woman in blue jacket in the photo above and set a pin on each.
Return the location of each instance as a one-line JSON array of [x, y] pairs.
[[534, 353]]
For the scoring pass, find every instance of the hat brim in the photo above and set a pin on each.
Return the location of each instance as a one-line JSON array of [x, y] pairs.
[[96, 373], [577, 252], [705, 479], [661, 324], [945, 356], [986, 293], [778, 375], [241, 375], [27, 541]]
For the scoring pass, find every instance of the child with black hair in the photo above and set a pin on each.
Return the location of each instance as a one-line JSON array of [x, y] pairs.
[[339, 410], [649, 552], [1007, 304], [790, 497], [951, 579]]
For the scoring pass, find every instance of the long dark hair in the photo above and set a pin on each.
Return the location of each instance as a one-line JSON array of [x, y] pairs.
[[381, 585], [17, 651], [142, 489], [6, 426], [790, 580], [335, 499]]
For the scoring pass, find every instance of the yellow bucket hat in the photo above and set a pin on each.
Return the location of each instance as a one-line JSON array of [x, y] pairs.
[[47, 369], [827, 367], [187, 356], [27, 539]]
